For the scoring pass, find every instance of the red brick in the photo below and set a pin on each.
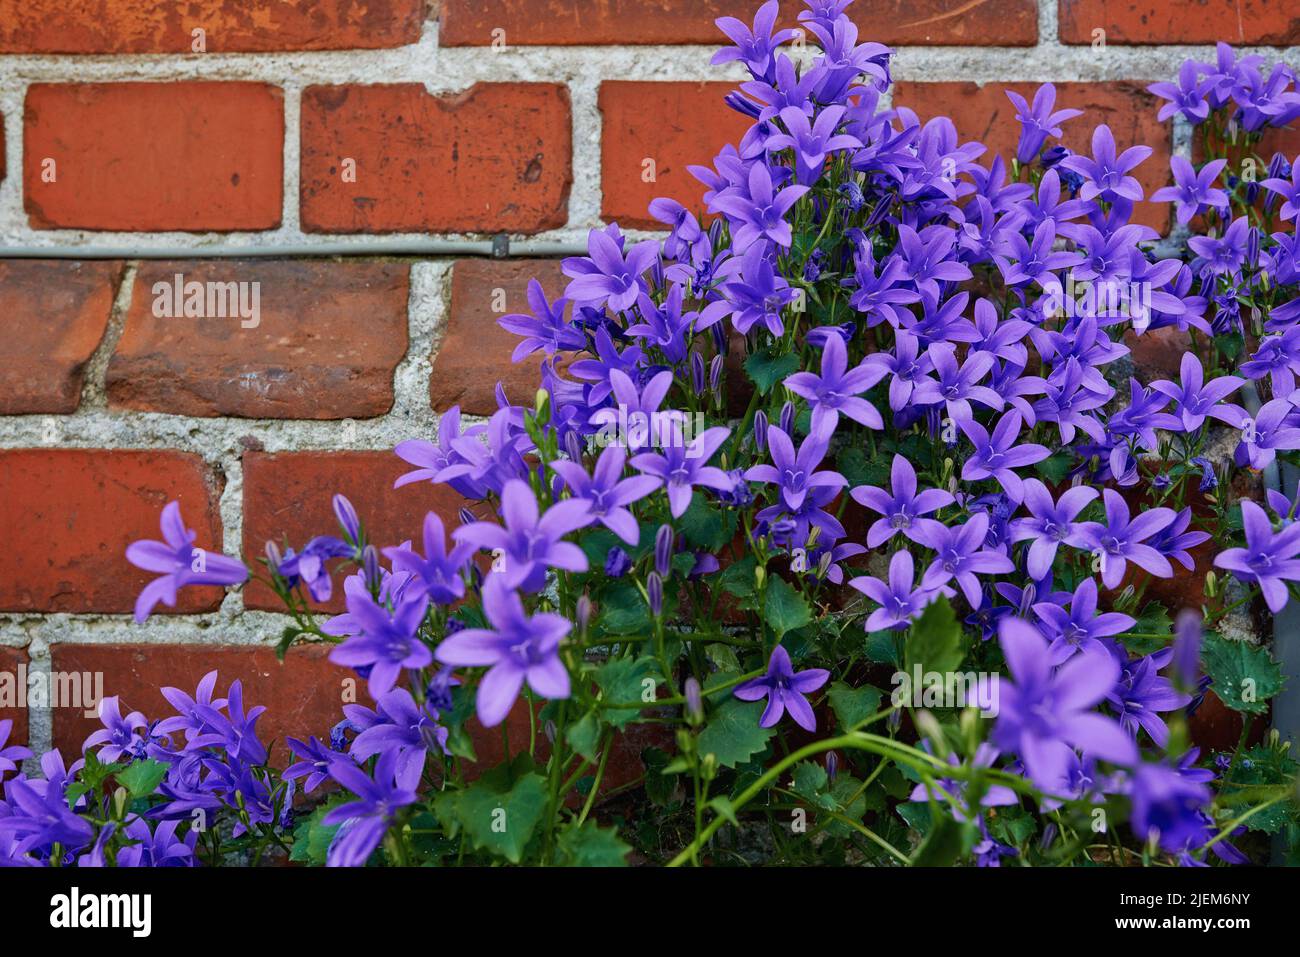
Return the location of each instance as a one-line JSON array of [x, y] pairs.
[[287, 496], [231, 26], [1168, 21], [69, 514], [495, 158], [10, 661], [191, 156], [474, 353], [617, 22], [328, 338], [304, 695], [53, 314], [675, 125], [984, 113]]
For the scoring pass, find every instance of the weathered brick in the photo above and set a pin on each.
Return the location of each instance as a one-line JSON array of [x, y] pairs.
[[53, 314], [1169, 21], [984, 113], [191, 156], [230, 26], [474, 353], [326, 339], [303, 695], [287, 496], [669, 125], [11, 659], [495, 158], [617, 22], [69, 514]]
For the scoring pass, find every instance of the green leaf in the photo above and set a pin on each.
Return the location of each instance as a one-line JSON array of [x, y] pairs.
[[142, 777], [1154, 620], [623, 681], [935, 640], [946, 842], [1245, 676], [311, 838], [767, 370], [707, 526], [885, 647], [810, 782], [738, 577], [500, 810], [732, 735], [1055, 468], [854, 465], [784, 609], [583, 735], [592, 846], [622, 609], [852, 705]]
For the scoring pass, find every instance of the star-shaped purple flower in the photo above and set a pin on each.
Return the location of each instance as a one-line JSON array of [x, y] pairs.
[[784, 689]]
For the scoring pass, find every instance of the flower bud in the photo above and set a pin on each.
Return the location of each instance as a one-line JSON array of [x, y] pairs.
[[347, 516], [466, 516], [664, 550], [694, 701], [715, 373], [583, 614], [542, 406], [654, 589], [550, 731], [573, 446], [370, 567], [1187, 649], [787, 418], [617, 562], [832, 766], [697, 372], [273, 556], [760, 431]]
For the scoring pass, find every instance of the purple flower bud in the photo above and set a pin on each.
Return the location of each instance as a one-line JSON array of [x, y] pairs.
[[466, 516], [550, 730], [573, 446], [697, 371], [347, 516], [273, 556], [715, 372], [1049, 835], [895, 720], [760, 431], [719, 338], [832, 766], [583, 614], [557, 487], [1187, 648], [654, 589], [370, 568], [617, 562], [694, 700], [1027, 599], [664, 550], [787, 418]]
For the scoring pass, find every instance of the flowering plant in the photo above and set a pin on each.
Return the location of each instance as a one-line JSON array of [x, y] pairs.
[[850, 495]]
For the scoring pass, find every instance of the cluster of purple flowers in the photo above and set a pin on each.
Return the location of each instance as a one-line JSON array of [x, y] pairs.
[[865, 281]]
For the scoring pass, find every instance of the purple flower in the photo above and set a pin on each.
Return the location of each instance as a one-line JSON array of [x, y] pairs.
[[1045, 713], [681, 468], [410, 729], [1268, 559], [957, 385], [1051, 523], [1038, 122], [1288, 190], [388, 640], [117, 739], [902, 509], [1141, 693], [42, 819], [1120, 540], [180, 562], [899, 602], [794, 474], [529, 543], [997, 454], [784, 689], [1081, 628], [1106, 175], [754, 47], [838, 389], [1195, 399], [236, 730], [1186, 97], [191, 711], [546, 329], [1174, 540], [953, 790], [309, 565], [760, 212], [1222, 255], [439, 571], [364, 822], [960, 554], [638, 409], [516, 648], [441, 462], [1272, 429], [1166, 802], [9, 756], [315, 764], [606, 277], [1192, 191], [606, 493], [811, 142]]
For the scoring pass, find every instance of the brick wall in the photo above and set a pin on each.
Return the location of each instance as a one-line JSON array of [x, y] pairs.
[[311, 121]]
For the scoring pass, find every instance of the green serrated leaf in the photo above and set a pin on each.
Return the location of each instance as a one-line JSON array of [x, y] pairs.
[[1055, 468], [784, 608], [1245, 675], [142, 777], [592, 846], [623, 681], [732, 735], [852, 705], [946, 841], [623, 611], [935, 641], [706, 526], [500, 810], [583, 735], [766, 370]]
